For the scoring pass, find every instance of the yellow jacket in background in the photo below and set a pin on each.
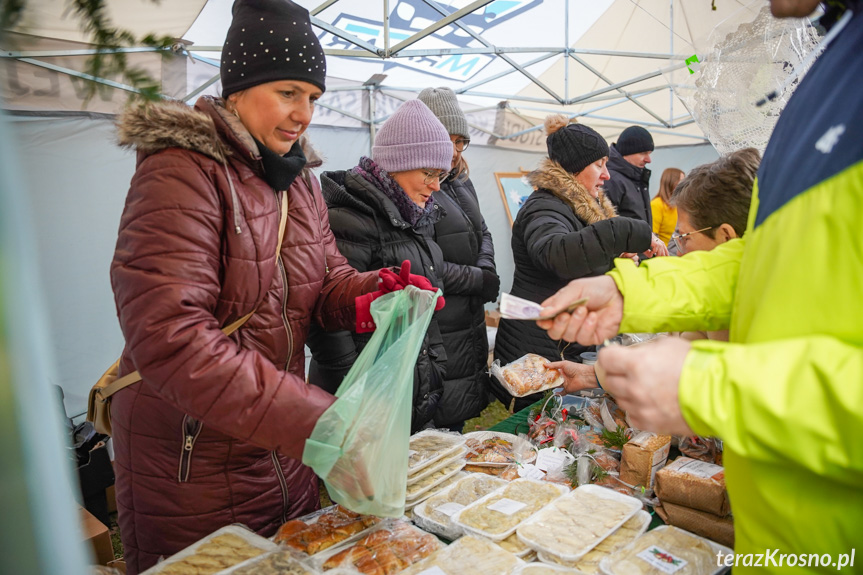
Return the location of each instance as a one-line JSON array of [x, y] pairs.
[[664, 219]]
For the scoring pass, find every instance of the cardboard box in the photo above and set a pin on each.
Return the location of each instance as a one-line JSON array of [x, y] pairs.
[[694, 484], [96, 534], [714, 527]]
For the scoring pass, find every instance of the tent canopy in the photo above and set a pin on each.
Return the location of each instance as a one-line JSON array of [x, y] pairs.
[[511, 61]]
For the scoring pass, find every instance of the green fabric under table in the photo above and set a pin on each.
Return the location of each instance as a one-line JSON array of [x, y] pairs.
[[517, 422]]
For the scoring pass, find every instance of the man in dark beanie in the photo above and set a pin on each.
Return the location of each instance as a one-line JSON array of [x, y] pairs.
[[627, 188]]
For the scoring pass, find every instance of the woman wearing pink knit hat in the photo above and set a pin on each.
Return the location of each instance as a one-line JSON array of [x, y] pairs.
[[382, 213]]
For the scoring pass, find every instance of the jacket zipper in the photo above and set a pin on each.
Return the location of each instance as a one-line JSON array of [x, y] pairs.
[[191, 430], [284, 275], [283, 484]]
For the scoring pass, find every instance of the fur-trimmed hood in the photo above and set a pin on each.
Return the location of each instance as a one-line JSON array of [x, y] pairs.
[[551, 177], [152, 127]]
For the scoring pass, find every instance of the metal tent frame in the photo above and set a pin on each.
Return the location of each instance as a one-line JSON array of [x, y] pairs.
[[615, 92]]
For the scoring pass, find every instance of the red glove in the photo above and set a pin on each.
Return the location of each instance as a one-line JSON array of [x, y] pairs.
[[389, 282]]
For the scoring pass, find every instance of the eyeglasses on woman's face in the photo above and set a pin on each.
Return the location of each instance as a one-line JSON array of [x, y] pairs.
[[681, 239], [432, 176], [461, 144]]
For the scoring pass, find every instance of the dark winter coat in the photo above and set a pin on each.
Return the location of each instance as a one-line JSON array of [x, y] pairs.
[[215, 431], [628, 188], [372, 235], [561, 233], [467, 249]]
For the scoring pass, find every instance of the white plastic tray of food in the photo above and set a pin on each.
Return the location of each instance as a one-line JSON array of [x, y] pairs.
[[232, 532], [306, 547], [280, 562], [431, 469], [468, 556], [417, 490], [589, 563], [412, 504], [515, 546], [578, 521], [545, 569], [434, 514], [529, 456], [411, 546], [429, 446], [666, 540], [489, 516]]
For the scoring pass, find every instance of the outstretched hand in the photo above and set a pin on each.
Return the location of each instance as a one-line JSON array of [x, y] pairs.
[[592, 323], [390, 281], [576, 376]]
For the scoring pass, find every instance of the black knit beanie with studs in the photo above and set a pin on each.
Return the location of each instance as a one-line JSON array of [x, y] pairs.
[[574, 146], [268, 41]]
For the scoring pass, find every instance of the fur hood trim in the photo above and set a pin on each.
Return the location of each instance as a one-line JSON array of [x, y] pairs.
[[152, 127], [552, 177]]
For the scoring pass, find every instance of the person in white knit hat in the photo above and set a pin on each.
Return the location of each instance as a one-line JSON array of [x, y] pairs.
[[382, 213], [469, 277]]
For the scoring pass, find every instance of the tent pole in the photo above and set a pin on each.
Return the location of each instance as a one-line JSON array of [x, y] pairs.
[[565, 59], [371, 92], [386, 28], [670, 51]]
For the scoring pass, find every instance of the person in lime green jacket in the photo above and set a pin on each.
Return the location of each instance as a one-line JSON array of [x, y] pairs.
[[665, 214], [786, 392]]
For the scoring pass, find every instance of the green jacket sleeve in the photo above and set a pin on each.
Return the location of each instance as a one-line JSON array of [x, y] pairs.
[[791, 401], [690, 293]]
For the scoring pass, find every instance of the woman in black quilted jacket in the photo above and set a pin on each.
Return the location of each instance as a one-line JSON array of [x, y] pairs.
[[566, 229], [382, 213], [469, 275]]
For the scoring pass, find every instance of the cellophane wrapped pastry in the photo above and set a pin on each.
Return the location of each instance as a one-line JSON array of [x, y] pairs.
[[651, 553], [434, 490], [218, 551], [435, 513], [526, 375], [575, 523], [515, 546], [625, 534], [469, 555], [323, 529], [429, 446], [459, 455], [391, 547], [499, 513]]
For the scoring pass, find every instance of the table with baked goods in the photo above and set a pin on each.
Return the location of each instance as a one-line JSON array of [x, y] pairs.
[[563, 486]]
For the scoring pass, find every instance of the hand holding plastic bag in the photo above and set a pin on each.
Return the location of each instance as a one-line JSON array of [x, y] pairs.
[[359, 446]]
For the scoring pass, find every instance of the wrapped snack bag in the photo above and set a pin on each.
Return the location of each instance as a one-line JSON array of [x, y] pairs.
[[526, 375], [694, 484], [643, 456]]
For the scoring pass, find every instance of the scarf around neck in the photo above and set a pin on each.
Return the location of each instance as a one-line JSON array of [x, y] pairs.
[[383, 181], [281, 171]]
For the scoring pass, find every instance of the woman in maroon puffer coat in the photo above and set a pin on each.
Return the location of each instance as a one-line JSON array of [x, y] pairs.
[[215, 431]]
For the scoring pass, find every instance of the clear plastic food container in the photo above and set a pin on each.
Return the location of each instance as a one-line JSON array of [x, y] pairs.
[[577, 522], [666, 550], [468, 556], [498, 514], [435, 513], [429, 446]]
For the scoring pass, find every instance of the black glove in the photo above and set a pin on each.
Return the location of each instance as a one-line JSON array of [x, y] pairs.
[[490, 285]]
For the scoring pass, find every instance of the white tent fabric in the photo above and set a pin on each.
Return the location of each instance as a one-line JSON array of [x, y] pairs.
[[78, 177]]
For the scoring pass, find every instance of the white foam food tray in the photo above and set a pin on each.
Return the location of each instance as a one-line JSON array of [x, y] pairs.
[[429, 446], [545, 569], [576, 523], [247, 536], [468, 556], [437, 466], [652, 546], [279, 562], [498, 514], [417, 490], [527, 456], [410, 505], [435, 513], [589, 563]]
